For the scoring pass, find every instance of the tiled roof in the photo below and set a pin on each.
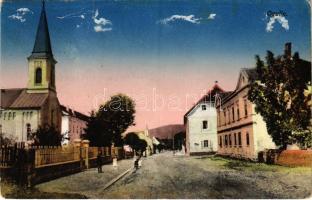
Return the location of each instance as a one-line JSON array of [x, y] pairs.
[[8, 96], [210, 96], [74, 113], [251, 73], [19, 98]]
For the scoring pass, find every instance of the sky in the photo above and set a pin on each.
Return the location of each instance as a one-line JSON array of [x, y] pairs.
[[163, 54]]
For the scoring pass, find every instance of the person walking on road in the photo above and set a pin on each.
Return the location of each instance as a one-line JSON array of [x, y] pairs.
[[99, 162]]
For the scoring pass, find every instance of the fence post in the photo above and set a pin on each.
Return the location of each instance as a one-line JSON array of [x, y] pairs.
[[30, 167], [113, 150], [85, 144], [77, 144]]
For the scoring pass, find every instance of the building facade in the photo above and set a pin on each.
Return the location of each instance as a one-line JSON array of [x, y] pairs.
[[201, 124], [242, 133], [73, 125], [23, 110]]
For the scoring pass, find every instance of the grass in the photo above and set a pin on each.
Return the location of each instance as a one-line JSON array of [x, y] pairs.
[[12, 191], [230, 163]]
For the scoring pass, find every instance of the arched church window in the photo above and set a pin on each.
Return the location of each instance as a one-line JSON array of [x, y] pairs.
[[38, 78]]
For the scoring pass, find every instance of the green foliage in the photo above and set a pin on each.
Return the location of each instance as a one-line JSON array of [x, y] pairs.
[[281, 97], [6, 140], [110, 121], [135, 142], [47, 136]]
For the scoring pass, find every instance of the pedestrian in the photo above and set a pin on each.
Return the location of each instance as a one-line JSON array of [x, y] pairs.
[[99, 162]]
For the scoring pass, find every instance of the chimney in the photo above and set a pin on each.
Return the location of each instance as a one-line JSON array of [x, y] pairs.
[[287, 51]]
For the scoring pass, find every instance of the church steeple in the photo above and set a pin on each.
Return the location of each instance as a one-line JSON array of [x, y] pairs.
[[41, 63], [42, 42]]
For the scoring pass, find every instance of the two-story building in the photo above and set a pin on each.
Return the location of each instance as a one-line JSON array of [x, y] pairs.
[[242, 132], [201, 124], [73, 124]]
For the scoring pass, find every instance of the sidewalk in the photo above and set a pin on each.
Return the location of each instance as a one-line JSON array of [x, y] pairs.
[[89, 183]]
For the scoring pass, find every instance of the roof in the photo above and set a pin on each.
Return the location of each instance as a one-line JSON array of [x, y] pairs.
[[42, 45], [19, 98], [209, 97], [74, 113], [8, 96], [251, 73]]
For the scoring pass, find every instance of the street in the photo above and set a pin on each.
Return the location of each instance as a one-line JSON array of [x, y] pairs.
[[167, 176]]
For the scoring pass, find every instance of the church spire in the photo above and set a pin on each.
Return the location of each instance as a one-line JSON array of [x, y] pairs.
[[42, 45]]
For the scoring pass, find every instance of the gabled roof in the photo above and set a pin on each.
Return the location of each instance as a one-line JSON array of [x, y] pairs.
[[8, 96], [42, 45], [209, 97], [71, 112], [19, 98]]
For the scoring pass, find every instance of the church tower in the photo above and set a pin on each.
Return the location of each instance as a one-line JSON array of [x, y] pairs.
[[41, 63]]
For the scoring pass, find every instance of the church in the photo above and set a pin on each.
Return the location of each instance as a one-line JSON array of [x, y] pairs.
[[23, 110]]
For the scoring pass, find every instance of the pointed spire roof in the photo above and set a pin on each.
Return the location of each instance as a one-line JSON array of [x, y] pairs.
[[42, 45]]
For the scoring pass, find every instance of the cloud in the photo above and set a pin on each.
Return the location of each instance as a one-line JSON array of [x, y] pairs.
[[277, 18], [80, 14], [212, 16], [20, 13], [101, 23], [99, 28], [187, 18]]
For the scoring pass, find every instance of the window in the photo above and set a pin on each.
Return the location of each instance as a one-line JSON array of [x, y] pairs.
[[4, 116], [235, 139], [0, 129], [220, 141], [0, 114], [38, 76], [245, 107], [204, 107], [205, 124], [205, 143], [9, 116], [28, 131], [239, 139], [225, 140], [247, 139], [31, 115], [233, 114], [13, 115], [230, 140]]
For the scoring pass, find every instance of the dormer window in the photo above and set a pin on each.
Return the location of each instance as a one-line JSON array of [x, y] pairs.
[[204, 107], [38, 76]]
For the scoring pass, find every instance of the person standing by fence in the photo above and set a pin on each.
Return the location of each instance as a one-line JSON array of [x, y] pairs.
[[99, 162]]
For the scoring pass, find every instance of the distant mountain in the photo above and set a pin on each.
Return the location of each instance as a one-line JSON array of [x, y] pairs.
[[166, 132]]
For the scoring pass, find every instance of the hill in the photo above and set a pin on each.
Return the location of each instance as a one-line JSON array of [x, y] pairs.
[[167, 131]]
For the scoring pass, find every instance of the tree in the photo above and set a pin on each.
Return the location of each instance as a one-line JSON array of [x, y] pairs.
[[47, 136], [110, 121], [282, 97], [135, 142], [7, 140]]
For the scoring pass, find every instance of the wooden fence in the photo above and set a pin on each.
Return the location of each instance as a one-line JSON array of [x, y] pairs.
[[56, 155], [44, 163]]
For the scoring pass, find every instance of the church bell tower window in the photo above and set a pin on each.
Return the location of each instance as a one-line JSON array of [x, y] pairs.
[[38, 78]]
